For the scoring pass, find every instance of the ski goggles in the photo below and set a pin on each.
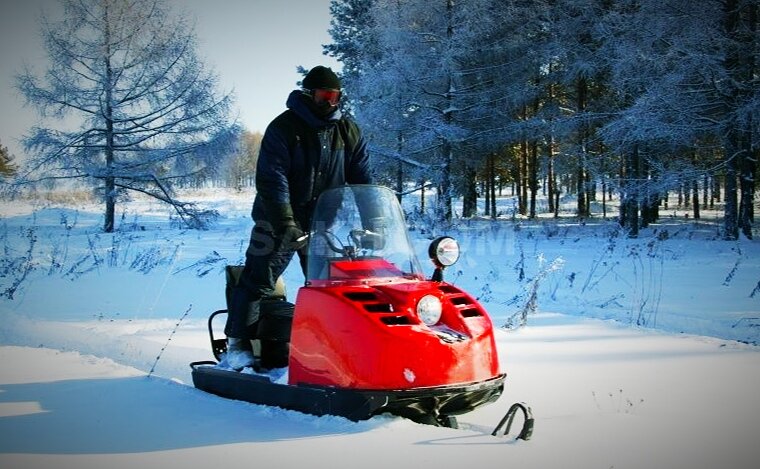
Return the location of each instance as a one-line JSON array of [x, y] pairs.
[[331, 96]]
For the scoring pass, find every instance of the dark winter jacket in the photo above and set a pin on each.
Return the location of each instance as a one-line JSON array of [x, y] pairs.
[[301, 156]]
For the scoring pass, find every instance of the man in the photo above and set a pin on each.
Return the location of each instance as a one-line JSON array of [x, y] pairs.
[[307, 149]]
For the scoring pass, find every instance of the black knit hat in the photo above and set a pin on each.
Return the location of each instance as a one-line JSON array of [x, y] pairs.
[[321, 77]]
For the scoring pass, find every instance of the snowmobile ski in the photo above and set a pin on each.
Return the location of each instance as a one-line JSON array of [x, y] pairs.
[[424, 405]]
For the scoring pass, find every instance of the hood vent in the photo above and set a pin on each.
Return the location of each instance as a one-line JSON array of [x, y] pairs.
[[466, 307], [369, 301]]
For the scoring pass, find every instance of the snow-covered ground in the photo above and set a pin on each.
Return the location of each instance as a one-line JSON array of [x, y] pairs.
[[640, 354]]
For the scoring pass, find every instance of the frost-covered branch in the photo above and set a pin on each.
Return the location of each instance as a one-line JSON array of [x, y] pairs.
[[129, 75]]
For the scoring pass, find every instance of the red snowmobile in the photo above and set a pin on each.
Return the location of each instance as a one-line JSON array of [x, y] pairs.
[[368, 333]]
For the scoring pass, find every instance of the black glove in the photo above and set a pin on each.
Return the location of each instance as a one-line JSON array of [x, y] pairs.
[[285, 227], [293, 237]]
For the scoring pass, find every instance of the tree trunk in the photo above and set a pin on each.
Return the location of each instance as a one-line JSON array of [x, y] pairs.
[[695, 190], [645, 195], [630, 197], [551, 147], [494, 213], [695, 200], [422, 195], [110, 181], [730, 210], [584, 189], [551, 177], [604, 175], [533, 177], [491, 186], [748, 161], [733, 146], [522, 186], [581, 171], [486, 186], [400, 169], [470, 193], [747, 190], [443, 208], [445, 211]]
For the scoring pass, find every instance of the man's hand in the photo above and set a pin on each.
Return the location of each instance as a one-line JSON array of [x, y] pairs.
[[293, 237], [286, 229]]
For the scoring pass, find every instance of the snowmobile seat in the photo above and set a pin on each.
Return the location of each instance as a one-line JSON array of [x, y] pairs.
[[233, 277]]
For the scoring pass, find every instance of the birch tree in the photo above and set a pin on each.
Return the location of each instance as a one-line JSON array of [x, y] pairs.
[[126, 75]]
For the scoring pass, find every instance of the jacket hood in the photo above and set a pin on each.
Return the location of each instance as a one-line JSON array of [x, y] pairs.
[[297, 104]]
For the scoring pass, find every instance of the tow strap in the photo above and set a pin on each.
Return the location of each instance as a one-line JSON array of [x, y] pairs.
[[509, 417]]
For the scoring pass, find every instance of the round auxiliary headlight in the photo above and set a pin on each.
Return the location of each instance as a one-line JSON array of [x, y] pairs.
[[429, 309], [444, 251]]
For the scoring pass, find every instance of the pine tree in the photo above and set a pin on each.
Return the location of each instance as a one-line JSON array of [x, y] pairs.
[[351, 30], [416, 94], [7, 166], [127, 74]]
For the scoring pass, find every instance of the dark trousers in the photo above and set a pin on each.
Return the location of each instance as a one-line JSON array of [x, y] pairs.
[[265, 260]]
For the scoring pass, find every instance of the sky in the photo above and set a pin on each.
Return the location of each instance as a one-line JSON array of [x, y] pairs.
[[254, 46]]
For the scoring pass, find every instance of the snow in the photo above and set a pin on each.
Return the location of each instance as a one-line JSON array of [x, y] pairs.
[[640, 353]]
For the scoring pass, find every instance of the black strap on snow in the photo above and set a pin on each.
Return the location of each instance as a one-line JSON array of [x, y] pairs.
[[527, 429], [202, 363]]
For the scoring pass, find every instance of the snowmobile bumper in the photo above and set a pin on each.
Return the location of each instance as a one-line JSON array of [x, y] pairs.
[[430, 405]]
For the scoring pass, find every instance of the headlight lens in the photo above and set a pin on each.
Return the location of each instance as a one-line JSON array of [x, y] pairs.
[[444, 251], [429, 309]]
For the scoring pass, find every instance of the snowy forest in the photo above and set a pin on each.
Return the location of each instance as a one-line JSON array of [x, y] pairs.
[[582, 100], [593, 98]]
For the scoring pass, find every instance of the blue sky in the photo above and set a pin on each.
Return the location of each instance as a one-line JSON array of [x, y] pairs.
[[253, 45]]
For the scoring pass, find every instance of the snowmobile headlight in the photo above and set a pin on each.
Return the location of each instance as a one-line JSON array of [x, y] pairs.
[[444, 251], [429, 309]]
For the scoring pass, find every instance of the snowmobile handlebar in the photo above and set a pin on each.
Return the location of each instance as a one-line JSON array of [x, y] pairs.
[[357, 239]]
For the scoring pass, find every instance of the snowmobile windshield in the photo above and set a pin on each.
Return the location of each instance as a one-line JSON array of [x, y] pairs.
[[359, 233]]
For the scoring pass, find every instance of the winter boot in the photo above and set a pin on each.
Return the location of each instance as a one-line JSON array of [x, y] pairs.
[[239, 353]]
